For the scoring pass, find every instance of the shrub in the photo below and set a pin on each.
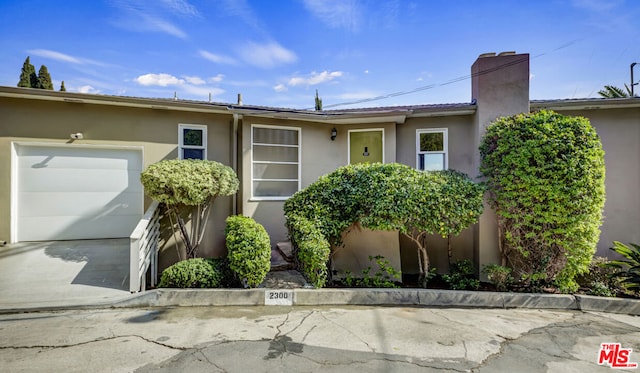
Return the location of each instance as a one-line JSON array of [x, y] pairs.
[[249, 249], [462, 276], [194, 273], [312, 249], [629, 268], [545, 173], [499, 276], [380, 197], [599, 278], [385, 276], [189, 182]]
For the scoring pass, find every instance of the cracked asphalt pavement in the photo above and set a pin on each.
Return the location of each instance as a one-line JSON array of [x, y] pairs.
[[312, 339]]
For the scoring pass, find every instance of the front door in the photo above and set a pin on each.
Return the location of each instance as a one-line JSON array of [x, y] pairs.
[[366, 146]]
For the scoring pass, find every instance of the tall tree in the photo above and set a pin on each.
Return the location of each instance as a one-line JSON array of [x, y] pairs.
[[28, 76], [611, 91], [44, 79], [318, 102], [62, 87]]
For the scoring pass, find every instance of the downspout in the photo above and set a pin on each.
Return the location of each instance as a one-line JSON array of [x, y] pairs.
[[234, 158]]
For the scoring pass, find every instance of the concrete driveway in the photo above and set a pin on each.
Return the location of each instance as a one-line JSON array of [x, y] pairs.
[[41, 274]]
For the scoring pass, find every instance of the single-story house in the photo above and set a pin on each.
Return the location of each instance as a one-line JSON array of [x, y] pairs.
[[70, 162]]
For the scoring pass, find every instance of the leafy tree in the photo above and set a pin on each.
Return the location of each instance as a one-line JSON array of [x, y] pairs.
[[545, 173], [44, 79], [189, 182], [28, 78], [62, 87], [611, 91], [379, 197]]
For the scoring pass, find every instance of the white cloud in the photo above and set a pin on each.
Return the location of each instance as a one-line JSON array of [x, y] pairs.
[[162, 80], [182, 7], [267, 55], [58, 56], [315, 78], [224, 60], [216, 79], [196, 80], [152, 16], [336, 13], [280, 88], [87, 89], [366, 71]]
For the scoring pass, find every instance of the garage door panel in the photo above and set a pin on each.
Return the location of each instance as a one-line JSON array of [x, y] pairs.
[[89, 205], [77, 192], [73, 180], [54, 157], [78, 228]]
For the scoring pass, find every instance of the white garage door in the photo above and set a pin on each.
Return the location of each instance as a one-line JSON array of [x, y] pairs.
[[73, 192]]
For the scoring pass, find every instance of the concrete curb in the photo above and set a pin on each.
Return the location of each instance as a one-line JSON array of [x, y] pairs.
[[359, 296]]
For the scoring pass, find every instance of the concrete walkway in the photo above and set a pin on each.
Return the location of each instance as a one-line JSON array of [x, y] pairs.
[[93, 274], [46, 275]]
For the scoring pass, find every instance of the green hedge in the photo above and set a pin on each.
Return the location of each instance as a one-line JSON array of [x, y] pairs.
[[249, 249], [194, 273], [545, 173], [379, 197]]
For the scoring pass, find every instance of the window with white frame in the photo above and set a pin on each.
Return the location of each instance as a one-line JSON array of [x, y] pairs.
[[431, 149], [192, 141], [275, 162]]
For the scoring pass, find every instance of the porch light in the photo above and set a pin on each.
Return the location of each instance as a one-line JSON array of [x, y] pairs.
[[334, 133], [366, 151]]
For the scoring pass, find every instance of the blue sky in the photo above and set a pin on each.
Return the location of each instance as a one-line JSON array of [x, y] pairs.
[[278, 52]]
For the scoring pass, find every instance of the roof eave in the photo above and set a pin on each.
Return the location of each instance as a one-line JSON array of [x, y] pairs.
[[586, 104], [86, 98]]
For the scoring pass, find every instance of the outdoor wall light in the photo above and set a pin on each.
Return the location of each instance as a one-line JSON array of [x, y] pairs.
[[366, 151], [77, 136], [334, 133]]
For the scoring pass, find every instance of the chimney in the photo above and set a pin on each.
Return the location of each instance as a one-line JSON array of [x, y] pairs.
[[499, 87]]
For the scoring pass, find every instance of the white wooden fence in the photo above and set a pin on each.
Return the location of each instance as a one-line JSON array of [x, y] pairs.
[[143, 246]]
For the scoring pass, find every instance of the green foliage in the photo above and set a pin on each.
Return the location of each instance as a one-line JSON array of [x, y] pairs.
[[629, 268], [462, 276], [318, 102], [312, 249], [383, 197], [385, 276], [194, 273], [249, 249], [44, 79], [499, 276], [28, 77], [545, 173], [611, 91], [189, 182], [599, 278]]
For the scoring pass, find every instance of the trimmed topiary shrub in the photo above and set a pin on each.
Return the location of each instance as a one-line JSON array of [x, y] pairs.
[[249, 250], [378, 197], [189, 182], [545, 173], [194, 273]]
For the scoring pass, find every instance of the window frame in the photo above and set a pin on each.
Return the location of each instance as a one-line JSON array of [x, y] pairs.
[[445, 146], [182, 146], [254, 162]]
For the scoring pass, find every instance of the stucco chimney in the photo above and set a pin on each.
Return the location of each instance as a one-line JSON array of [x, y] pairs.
[[500, 87]]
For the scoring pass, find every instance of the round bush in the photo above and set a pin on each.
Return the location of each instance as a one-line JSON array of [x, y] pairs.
[[545, 173], [249, 249], [194, 273]]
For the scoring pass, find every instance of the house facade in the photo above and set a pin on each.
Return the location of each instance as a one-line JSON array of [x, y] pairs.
[[71, 162]]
